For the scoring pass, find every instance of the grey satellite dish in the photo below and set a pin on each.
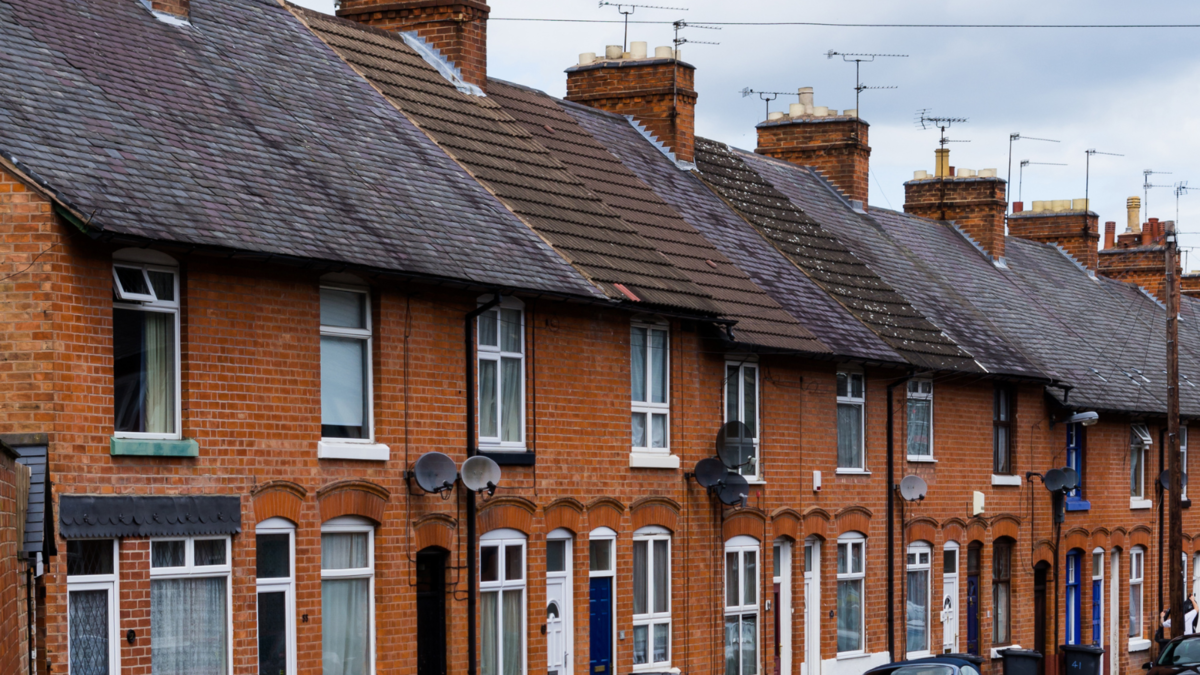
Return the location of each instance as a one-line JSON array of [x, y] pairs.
[[481, 473], [709, 472], [735, 444], [1054, 480], [1072, 478], [1164, 479], [733, 490], [435, 472], [913, 488]]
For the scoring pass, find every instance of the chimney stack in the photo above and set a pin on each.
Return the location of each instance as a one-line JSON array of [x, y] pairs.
[[1110, 234], [180, 9], [816, 136], [1137, 256], [658, 91], [1068, 223], [974, 201], [457, 29]]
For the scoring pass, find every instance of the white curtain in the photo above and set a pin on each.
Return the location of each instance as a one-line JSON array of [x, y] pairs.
[[849, 436], [343, 550], [639, 430], [89, 632], [637, 363], [159, 366], [487, 399], [510, 380], [731, 645], [488, 613], [918, 427], [658, 431], [749, 644], [343, 371], [849, 615], [510, 330], [918, 610], [658, 366], [661, 566], [750, 399], [188, 622], [512, 632], [641, 577], [345, 626]]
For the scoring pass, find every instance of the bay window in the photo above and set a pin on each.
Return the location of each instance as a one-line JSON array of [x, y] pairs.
[[650, 388], [190, 618], [502, 376], [348, 596], [741, 606], [851, 575], [920, 420], [651, 598], [146, 383], [851, 400], [502, 603], [741, 405], [92, 635]]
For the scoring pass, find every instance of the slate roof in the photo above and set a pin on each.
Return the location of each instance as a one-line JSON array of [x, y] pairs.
[[761, 320], [498, 151], [244, 132], [741, 244], [827, 261]]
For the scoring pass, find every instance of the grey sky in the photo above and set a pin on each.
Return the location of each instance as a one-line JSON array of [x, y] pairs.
[[1128, 91]]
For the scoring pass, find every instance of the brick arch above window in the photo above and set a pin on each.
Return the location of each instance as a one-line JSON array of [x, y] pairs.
[[748, 522], [785, 522], [659, 511], [434, 529], [816, 522], [853, 519], [353, 498], [954, 529], [1006, 525], [977, 529], [922, 529], [278, 499], [513, 513], [1043, 552], [566, 513], [1100, 538], [1077, 538], [1140, 536], [1117, 538], [605, 512]]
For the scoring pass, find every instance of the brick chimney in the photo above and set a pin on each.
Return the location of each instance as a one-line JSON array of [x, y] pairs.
[[456, 28], [973, 200], [1138, 255], [1067, 223], [658, 91], [180, 9], [835, 145]]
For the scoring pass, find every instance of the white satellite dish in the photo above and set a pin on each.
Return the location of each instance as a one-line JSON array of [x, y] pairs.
[[481, 473], [913, 488]]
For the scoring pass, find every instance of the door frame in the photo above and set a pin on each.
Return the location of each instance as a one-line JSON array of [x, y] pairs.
[[610, 535], [951, 548], [287, 586], [568, 603], [783, 606], [812, 608], [434, 551], [1114, 622]]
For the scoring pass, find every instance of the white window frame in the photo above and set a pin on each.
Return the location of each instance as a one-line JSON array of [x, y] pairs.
[[1137, 561], [648, 535], [191, 571], [1196, 573], [1139, 432], [1183, 458], [782, 574], [918, 395], [647, 456], [913, 563], [356, 448], [494, 353], [851, 540], [567, 574], [351, 524], [502, 538], [152, 261], [861, 403], [101, 582], [286, 585], [742, 546], [752, 471], [1098, 575]]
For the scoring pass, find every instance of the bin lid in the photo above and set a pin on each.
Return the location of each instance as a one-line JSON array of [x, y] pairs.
[[1020, 653], [1084, 649]]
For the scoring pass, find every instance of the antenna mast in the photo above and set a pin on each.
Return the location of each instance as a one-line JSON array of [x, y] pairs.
[[858, 60], [942, 123], [622, 9], [1146, 185], [1087, 177], [1008, 183], [1021, 174], [767, 96]]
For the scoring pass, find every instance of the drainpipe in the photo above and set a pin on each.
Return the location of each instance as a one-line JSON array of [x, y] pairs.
[[472, 582], [29, 612], [891, 518]]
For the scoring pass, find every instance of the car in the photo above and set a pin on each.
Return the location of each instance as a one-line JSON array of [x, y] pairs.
[[945, 664], [1177, 656]]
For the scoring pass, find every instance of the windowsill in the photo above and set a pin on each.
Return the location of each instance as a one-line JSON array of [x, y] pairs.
[[857, 654], [1138, 644], [1139, 504], [647, 670], [373, 452], [922, 460], [143, 447], [923, 654], [1006, 481], [1077, 504], [507, 458], [852, 472], [995, 651], [653, 460]]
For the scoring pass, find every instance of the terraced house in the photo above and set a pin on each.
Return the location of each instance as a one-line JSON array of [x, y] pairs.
[[256, 262]]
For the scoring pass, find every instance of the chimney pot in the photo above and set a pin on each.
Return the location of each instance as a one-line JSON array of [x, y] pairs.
[[941, 163], [613, 52], [664, 53], [966, 173], [1133, 208], [1079, 205], [987, 173], [1018, 207], [1039, 205], [587, 58], [850, 112], [772, 116], [1061, 205], [637, 50], [1110, 233], [821, 111], [920, 175], [806, 97]]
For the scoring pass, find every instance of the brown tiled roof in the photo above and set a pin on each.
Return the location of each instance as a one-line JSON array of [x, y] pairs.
[[499, 152], [827, 261], [761, 320]]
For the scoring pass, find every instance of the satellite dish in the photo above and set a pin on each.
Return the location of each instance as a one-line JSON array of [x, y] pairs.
[[481, 473], [1072, 478], [435, 472], [913, 488], [709, 472], [735, 444], [733, 490], [1164, 479], [1054, 480]]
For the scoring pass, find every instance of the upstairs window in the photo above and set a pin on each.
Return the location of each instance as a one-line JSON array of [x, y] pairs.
[[741, 405], [1075, 459], [648, 365], [145, 351], [920, 420], [1183, 465], [345, 363], [1002, 463], [502, 376], [851, 399], [1139, 442]]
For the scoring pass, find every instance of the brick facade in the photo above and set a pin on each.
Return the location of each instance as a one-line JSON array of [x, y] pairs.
[[179, 8], [1077, 232], [976, 205], [835, 146], [1140, 258], [456, 28], [659, 93], [14, 624]]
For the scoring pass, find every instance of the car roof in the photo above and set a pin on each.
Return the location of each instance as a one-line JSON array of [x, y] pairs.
[[948, 660]]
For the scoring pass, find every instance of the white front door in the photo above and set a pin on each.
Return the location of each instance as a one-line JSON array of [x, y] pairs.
[[949, 613], [812, 608], [1114, 630], [556, 626]]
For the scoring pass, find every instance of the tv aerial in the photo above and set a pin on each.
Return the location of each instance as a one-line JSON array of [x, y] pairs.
[[481, 473], [435, 472], [1021, 173], [928, 121], [913, 488], [1146, 185], [1087, 176], [622, 7], [680, 25], [1011, 139], [858, 60], [766, 96]]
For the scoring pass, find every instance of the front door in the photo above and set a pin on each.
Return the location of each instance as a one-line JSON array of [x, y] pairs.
[[1039, 613], [557, 608], [600, 626], [950, 601], [812, 607], [431, 612], [973, 614]]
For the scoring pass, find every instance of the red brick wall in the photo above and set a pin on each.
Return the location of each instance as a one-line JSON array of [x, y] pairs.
[[659, 93], [974, 204], [181, 8], [836, 147], [14, 625], [1076, 232], [456, 28], [1145, 266]]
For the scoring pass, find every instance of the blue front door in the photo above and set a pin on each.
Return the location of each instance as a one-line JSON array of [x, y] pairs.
[[973, 614], [1074, 629], [1097, 604], [600, 601]]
